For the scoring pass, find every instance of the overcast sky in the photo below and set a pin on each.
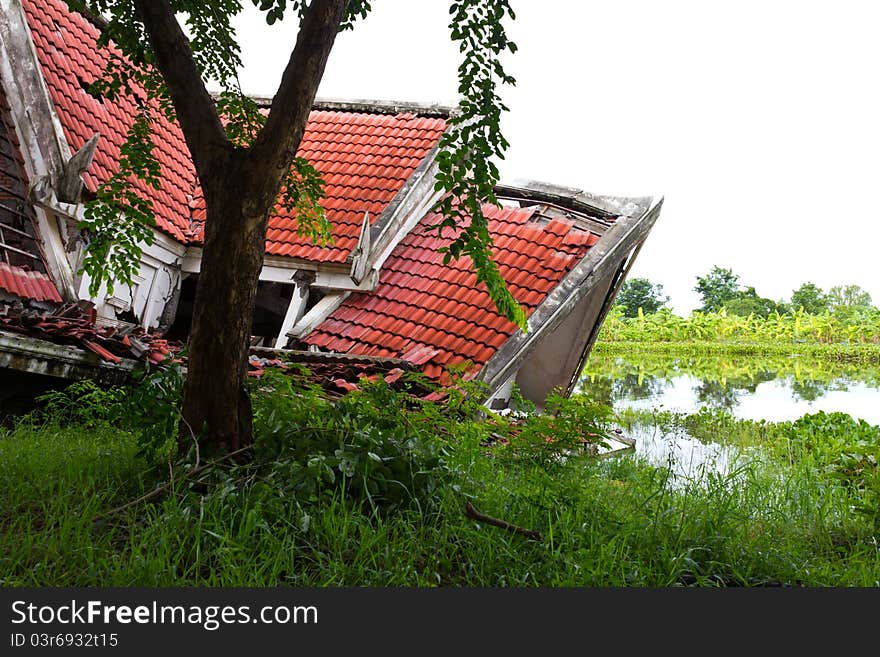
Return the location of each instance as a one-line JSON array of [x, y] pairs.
[[759, 122]]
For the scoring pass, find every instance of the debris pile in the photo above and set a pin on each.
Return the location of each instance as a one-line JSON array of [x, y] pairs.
[[336, 373], [76, 324]]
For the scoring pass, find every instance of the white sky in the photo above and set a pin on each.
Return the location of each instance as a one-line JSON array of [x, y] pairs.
[[758, 121]]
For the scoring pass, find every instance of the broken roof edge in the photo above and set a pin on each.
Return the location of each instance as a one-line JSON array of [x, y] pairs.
[[370, 106], [624, 235], [606, 207]]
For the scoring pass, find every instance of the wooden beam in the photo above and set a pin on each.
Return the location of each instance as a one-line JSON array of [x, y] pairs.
[[284, 270], [294, 312], [359, 264], [70, 184], [318, 314]]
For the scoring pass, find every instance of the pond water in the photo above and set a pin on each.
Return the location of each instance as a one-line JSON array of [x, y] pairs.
[[774, 389]]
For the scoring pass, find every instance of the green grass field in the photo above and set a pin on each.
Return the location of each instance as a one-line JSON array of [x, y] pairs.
[[370, 491]]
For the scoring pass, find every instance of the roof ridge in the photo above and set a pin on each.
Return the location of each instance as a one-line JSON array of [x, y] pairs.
[[370, 106]]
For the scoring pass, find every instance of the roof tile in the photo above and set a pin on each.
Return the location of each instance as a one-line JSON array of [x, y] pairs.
[[436, 315], [364, 158]]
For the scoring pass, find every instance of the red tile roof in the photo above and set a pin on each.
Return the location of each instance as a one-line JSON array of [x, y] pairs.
[[435, 315], [364, 158], [27, 283], [66, 47]]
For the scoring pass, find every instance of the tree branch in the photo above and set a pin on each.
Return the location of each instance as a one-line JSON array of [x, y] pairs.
[[471, 512], [277, 142], [194, 107]]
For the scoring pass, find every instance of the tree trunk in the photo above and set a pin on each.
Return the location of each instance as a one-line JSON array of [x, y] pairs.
[[240, 188], [216, 406]]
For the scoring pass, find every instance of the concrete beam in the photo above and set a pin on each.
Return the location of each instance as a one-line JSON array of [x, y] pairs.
[[26, 354]]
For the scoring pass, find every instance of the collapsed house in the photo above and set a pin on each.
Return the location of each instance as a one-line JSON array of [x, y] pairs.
[[378, 292]]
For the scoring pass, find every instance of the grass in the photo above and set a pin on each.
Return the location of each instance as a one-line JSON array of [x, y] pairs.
[[840, 353], [843, 326], [279, 521]]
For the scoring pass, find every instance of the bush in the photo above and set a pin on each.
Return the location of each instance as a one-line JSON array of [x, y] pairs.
[[567, 426], [151, 407], [82, 403], [373, 444]]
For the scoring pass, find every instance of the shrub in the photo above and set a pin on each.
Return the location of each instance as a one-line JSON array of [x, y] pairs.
[[82, 403], [373, 444]]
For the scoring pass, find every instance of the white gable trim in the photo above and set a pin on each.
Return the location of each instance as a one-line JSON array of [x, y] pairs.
[[41, 138], [625, 235]]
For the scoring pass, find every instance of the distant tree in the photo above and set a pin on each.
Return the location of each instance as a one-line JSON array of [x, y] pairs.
[[848, 296], [717, 288], [748, 302], [640, 293], [811, 298], [783, 307]]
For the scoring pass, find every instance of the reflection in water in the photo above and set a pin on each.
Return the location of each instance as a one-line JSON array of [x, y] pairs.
[[716, 395], [750, 388], [808, 390], [775, 389]]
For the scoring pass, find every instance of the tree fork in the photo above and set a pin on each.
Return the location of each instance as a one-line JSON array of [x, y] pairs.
[[240, 187]]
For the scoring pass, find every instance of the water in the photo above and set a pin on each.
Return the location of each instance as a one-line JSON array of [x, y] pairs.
[[773, 389], [776, 401]]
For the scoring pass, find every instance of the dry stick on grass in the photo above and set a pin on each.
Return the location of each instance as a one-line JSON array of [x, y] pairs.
[[164, 488], [472, 513]]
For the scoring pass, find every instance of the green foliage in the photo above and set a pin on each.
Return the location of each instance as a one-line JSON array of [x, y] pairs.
[[811, 298], [275, 10], [302, 188], [747, 302], [301, 194], [467, 173], [82, 403], [370, 444], [618, 522], [151, 408], [717, 288], [844, 446], [843, 450], [641, 293], [241, 116], [119, 220], [568, 426], [148, 408], [848, 296], [783, 519], [858, 326]]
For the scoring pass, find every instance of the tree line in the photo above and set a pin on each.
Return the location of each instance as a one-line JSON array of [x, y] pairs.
[[720, 289]]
